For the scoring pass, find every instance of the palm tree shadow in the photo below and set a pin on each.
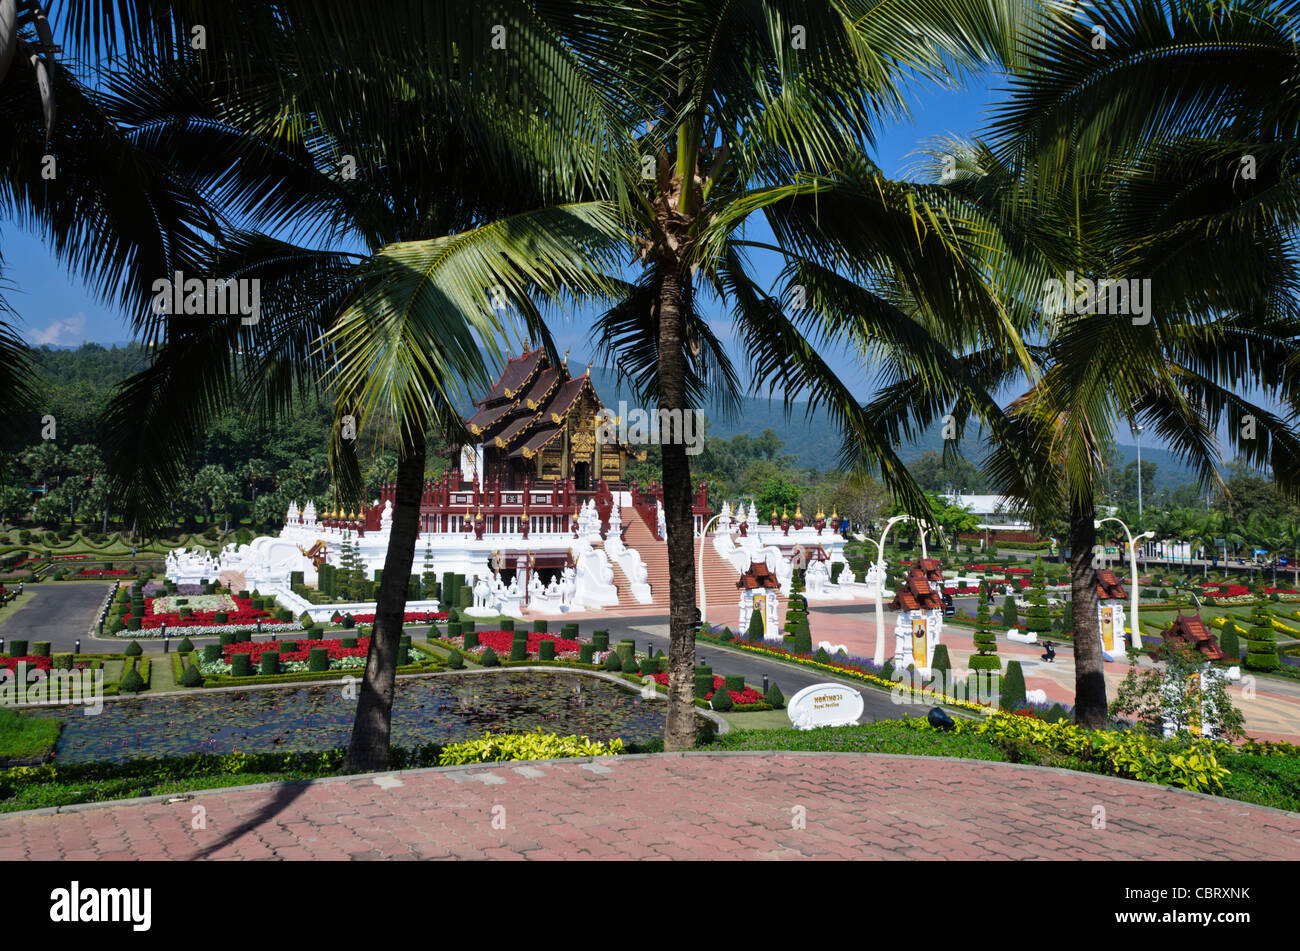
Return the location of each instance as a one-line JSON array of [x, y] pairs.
[[285, 796]]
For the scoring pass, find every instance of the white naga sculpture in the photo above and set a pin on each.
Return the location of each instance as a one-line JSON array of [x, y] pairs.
[[481, 592], [660, 521]]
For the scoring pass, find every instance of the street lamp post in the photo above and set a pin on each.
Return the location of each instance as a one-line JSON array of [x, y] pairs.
[[1137, 428], [1132, 560], [879, 657]]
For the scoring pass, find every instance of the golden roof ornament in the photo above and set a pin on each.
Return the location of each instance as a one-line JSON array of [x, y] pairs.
[[820, 514], [798, 512]]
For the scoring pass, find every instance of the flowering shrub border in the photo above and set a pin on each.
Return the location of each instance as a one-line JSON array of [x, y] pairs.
[[856, 673]]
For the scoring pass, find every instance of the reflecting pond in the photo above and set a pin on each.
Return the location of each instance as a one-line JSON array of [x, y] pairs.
[[441, 709]]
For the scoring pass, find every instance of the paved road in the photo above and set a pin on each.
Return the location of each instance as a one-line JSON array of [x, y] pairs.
[[739, 807], [59, 613]]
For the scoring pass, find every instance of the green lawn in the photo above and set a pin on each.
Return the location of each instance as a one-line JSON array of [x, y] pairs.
[[23, 738]]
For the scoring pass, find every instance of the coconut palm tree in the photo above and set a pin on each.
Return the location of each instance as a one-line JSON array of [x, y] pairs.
[[1165, 208], [107, 210], [761, 108], [462, 201]]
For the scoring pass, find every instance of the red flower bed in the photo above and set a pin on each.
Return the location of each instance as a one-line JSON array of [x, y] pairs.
[[748, 695], [102, 573], [68, 557], [255, 650], [500, 642], [1225, 590], [410, 617], [246, 616], [39, 663]]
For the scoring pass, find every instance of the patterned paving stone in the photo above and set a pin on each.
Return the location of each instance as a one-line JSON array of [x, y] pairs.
[[786, 806]]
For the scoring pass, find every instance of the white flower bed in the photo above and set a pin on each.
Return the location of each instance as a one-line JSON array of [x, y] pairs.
[[211, 630], [211, 667]]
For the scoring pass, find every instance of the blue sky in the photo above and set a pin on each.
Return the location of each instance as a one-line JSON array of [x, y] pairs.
[[55, 308]]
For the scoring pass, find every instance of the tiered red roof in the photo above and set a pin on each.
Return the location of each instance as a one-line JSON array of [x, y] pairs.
[[1191, 632], [917, 593], [758, 576], [1108, 586]]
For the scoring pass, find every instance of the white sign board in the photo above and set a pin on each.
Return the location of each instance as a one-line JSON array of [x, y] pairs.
[[824, 705]]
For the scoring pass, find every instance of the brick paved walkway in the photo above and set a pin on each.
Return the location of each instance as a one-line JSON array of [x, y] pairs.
[[710, 806]]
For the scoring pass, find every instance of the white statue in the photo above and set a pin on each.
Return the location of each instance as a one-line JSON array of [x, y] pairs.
[[386, 517], [660, 521], [535, 587], [846, 575], [816, 578], [553, 589], [513, 590], [615, 523], [481, 592]]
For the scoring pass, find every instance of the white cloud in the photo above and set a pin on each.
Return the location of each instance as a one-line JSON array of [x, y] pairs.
[[61, 333]]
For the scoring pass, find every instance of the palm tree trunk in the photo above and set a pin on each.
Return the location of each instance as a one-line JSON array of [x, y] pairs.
[[368, 749], [1089, 681], [679, 733]]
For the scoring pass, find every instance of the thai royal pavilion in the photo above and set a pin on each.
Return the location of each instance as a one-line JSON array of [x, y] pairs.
[[537, 515]]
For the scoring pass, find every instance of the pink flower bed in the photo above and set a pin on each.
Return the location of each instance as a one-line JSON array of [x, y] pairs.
[[33, 663], [748, 695], [244, 616], [410, 617], [500, 642], [255, 650]]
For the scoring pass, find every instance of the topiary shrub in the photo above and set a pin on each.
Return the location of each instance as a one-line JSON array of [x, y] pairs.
[[1009, 612], [940, 665], [703, 685], [41, 649], [270, 663], [600, 639], [133, 624], [455, 660], [586, 652], [212, 652], [489, 658], [508, 624], [454, 629], [570, 631], [1230, 642], [318, 659], [347, 642], [1012, 691], [469, 639], [241, 665], [315, 633], [612, 662], [133, 649], [735, 682], [721, 699], [305, 619], [539, 627], [191, 677], [349, 621], [185, 646], [1261, 642], [775, 697], [226, 637], [822, 657], [18, 648], [630, 666], [467, 626], [132, 682], [546, 651], [519, 648]]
